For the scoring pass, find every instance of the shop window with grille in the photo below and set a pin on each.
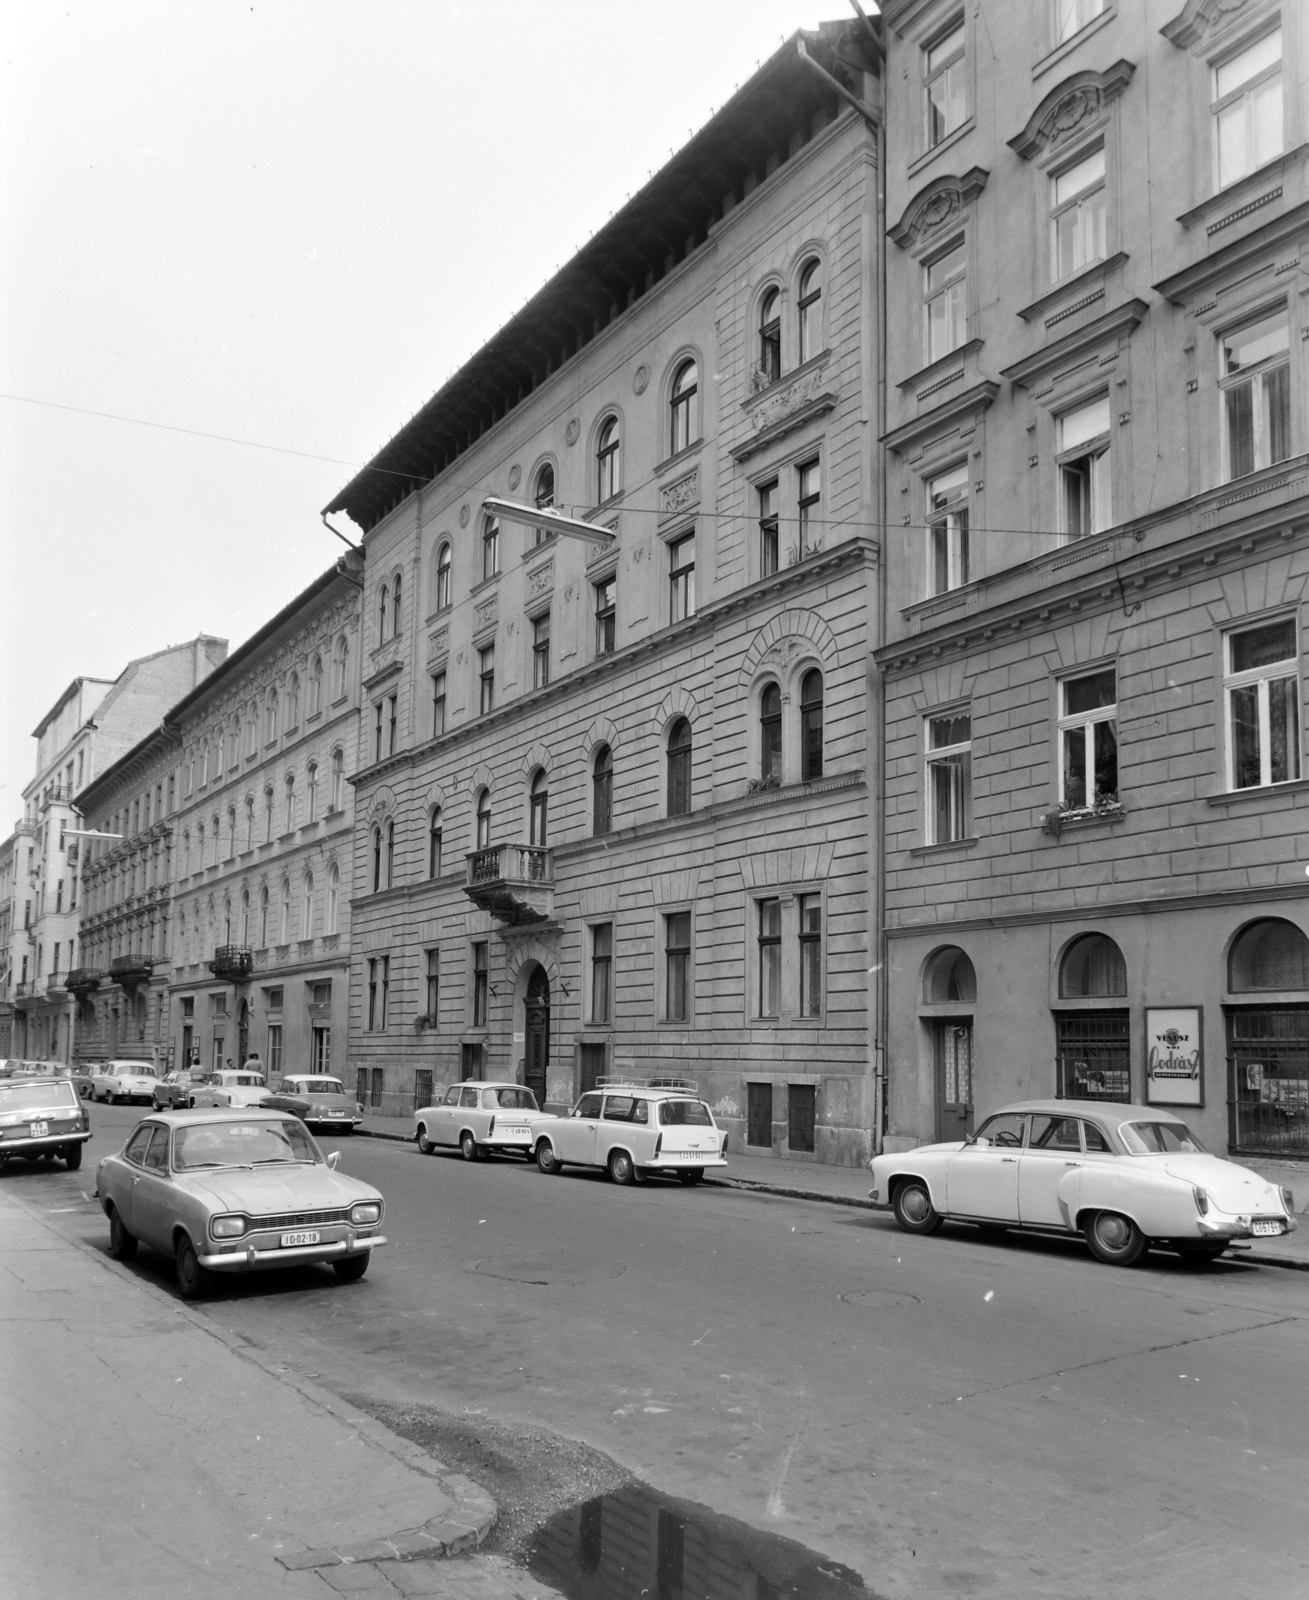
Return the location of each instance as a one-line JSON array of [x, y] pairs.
[[422, 1088], [1268, 1080], [759, 1115], [801, 1115], [1093, 1055]]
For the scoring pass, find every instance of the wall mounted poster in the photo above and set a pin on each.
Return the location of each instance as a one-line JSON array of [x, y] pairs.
[[1174, 1056]]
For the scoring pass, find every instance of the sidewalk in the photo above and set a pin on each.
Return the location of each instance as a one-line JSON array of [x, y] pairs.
[[149, 1449], [848, 1186]]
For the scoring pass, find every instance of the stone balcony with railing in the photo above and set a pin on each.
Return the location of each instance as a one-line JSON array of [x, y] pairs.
[[514, 882], [130, 970], [82, 980], [234, 963]]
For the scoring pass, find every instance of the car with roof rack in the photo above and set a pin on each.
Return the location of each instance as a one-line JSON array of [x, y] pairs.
[[480, 1119], [655, 1126]]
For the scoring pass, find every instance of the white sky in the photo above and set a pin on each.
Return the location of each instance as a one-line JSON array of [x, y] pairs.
[[285, 223]]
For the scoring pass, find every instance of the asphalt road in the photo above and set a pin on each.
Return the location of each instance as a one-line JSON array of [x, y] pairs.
[[947, 1416]]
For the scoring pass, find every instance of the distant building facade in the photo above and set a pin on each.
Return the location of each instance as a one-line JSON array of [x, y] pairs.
[[1098, 462], [613, 796]]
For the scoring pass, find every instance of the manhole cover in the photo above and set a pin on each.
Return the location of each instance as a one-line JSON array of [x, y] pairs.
[[881, 1299], [561, 1266]]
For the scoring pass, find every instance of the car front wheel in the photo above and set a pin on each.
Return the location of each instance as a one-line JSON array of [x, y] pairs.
[[424, 1143], [122, 1245], [193, 1280], [546, 1159], [352, 1268], [621, 1169], [914, 1210], [1116, 1240]]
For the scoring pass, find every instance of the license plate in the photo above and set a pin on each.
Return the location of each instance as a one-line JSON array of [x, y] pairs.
[[40, 1129], [515, 1133], [1259, 1228], [693, 1155], [289, 1239], [336, 1113]]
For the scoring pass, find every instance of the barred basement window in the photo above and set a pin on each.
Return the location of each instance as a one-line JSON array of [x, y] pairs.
[[1093, 1055]]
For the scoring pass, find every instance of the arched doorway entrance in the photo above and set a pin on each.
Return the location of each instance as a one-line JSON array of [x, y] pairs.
[[538, 1033]]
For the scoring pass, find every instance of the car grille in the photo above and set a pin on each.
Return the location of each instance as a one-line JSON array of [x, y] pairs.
[[298, 1219]]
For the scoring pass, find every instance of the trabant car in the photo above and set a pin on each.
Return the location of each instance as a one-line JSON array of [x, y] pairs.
[[635, 1130], [1124, 1177], [124, 1080], [232, 1191], [228, 1088], [12, 1068], [42, 1117], [318, 1101], [174, 1089], [480, 1119]]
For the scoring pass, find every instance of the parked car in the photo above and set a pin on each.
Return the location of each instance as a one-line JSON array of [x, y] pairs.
[[124, 1080], [42, 1117], [174, 1089], [236, 1191], [230, 1087], [319, 1101], [82, 1074], [634, 1130], [1124, 1177], [480, 1119], [10, 1067]]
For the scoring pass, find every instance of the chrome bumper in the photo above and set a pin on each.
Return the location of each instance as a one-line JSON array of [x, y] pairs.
[[252, 1260], [1230, 1227], [46, 1141], [676, 1163]]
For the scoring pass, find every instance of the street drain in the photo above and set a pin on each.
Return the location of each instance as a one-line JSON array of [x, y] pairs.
[[567, 1267], [881, 1299]]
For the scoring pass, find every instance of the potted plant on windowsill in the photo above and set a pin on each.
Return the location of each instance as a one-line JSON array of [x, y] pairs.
[[1104, 803]]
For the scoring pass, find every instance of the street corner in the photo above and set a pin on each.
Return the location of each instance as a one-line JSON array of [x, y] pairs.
[[461, 1520]]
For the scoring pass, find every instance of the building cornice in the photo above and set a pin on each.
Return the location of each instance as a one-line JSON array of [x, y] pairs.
[[1122, 319], [1195, 279], [967, 404]]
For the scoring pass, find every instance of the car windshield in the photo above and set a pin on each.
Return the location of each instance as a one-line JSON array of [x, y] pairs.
[[317, 1086], [22, 1096], [241, 1144], [510, 1099], [684, 1114], [1160, 1139]]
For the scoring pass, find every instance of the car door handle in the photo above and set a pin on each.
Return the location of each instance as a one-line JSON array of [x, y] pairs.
[[1009, 1158], [1072, 1163]]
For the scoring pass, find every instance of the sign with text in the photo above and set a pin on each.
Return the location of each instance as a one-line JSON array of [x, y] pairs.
[[1174, 1056]]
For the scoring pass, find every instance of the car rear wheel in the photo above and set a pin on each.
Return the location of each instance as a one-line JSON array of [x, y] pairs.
[[424, 1143], [914, 1210], [546, 1159], [690, 1177], [192, 1279], [73, 1156], [621, 1170], [1116, 1240], [352, 1268], [122, 1245]]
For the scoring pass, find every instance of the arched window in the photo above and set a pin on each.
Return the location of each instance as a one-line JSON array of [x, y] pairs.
[[333, 897], [293, 701], [679, 768], [338, 780], [377, 859], [263, 919], [490, 547], [311, 793], [341, 668], [602, 791], [443, 564], [608, 462], [811, 725], [390, 854], [395, 607], [245, 917], [315, 685], [538, 804], [1271, 954], [770, 337], [483, 820], [307, 907], [811, 310], [270, 716], [949, 978], [1092, 968], [383, 610], [434, 843], [682, 407], [284, 923], [770, 734], [544, 496]]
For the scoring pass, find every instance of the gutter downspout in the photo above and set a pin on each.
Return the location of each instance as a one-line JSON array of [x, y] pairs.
[[865, 111]]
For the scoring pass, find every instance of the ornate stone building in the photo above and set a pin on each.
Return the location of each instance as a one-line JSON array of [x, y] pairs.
[[613, 793]]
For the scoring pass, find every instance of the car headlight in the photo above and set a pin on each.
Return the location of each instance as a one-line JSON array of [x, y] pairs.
[[229, 1227], [1288, 1200], [365, 1212]]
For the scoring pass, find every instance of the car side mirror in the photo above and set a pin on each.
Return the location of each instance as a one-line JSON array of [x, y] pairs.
[[333, 1156]]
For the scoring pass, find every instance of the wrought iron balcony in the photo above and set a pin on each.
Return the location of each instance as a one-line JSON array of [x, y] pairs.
[[233, 962], [81, 980], [514, 882], [130, 970]]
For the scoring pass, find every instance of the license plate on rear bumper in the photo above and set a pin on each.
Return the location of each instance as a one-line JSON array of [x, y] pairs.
[[523, 1134], [1261, 1228], [289, 1239], [39, 1130]]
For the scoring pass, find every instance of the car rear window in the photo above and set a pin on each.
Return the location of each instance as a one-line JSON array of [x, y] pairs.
[[22, 1096], [1160, 1138], [318, 1086], [684, 1114], [510, 1099]]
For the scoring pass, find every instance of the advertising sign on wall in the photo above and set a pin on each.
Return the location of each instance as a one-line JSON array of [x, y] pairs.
[[1174, 1056]]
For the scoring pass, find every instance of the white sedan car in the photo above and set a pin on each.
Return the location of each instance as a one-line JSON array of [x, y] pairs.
[[479, 1118], [228, 1088], [124, 1080], [1123, 1177], [635, 1130]]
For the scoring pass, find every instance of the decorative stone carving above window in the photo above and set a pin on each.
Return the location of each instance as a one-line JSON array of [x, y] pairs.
[[438, 643], [540, 580], [1196, 18], [785, 407], [1069, 106], [486, 612], [675, 497], [938, 206]]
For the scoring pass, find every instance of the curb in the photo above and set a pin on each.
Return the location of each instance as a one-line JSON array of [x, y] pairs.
[[463, 1528]]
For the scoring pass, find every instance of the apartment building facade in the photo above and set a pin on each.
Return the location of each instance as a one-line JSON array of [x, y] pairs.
[[613, 792], [1097, 555]]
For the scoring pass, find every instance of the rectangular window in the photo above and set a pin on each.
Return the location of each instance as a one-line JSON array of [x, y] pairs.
[[1071, 16], [801, 1115], [945, 315], [947, 530], [681, 579], [385, 964], [809, 481], [320, 1051], [767, 528], [677, 966], [541, 651], [1247, 108], [379, 984], [810, 907], [1268, 1082], [378, 717], [1085, 491], [943, 85], [769, 913], [438, 704], [481, 982], [602, 964], [422, 1087], [273, 1048], [759, 1115], [486, 679], [1078, 215], [433, 987], [1088, 740], [606, 615], [1093, 1055], [949, 778], [490, 547], [1262, 690], [391, 703], [378, 1076], [1256, 385]]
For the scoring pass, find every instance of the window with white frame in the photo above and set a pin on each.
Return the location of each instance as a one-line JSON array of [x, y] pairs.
[[1078, 215], [810, 913], [444, 563], [809, 483], [681, 407], [768, 552], [770, 337], [438, 704], [947, 529], [943, 84], [1262, 690], [1256, 385], [1071, 16], [486, 679], [1088, 740], [490, 547], [544, 496], [945, 312], [809, 311], [949, 777], [768, 935], [1085, 485], [681, 579], [605, 597], [608, 462], [541, 650], [1247, 108], [770, 734]]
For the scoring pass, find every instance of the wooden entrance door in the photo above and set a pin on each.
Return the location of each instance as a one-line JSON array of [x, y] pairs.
[[538, 1034], [954, 1078]]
